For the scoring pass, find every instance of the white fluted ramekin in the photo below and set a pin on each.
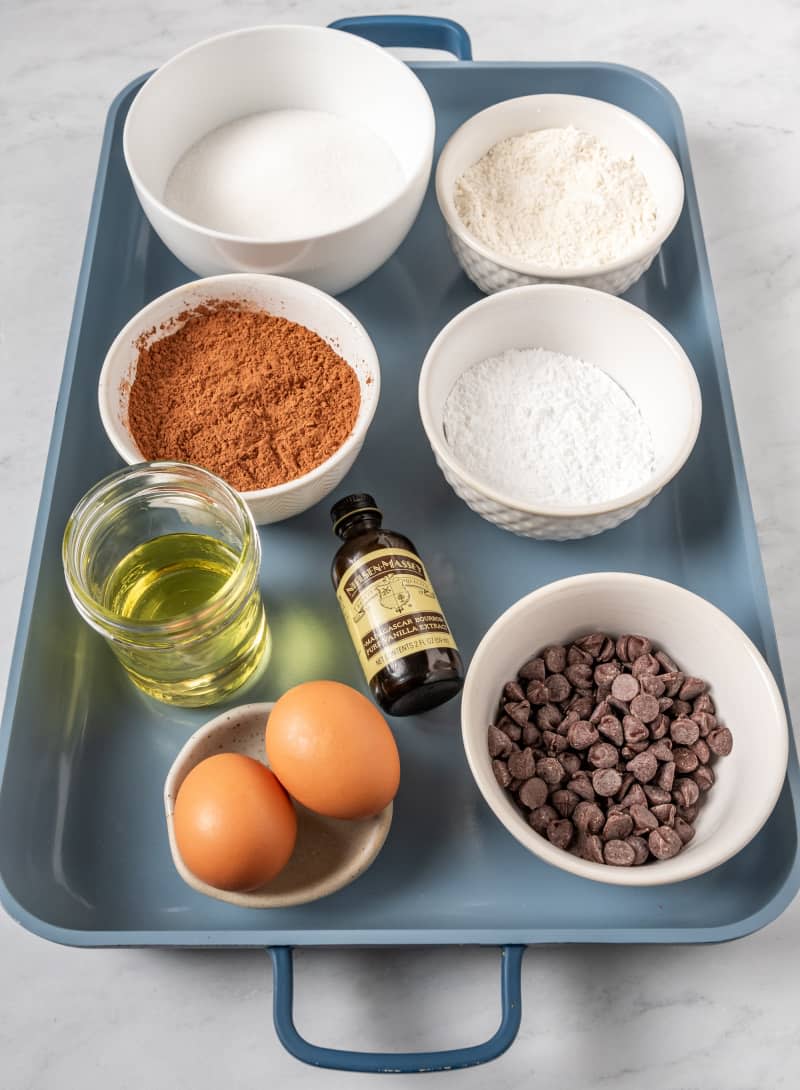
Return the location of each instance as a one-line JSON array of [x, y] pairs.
[[629, 345], [621, 131]]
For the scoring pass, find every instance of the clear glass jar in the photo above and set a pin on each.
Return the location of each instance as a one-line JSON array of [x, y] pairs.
[[125, 545]]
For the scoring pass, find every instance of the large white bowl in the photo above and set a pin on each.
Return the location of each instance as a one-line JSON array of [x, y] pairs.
[[700, 638], [623, 340], [269, 68], [288, 299], [622, 132]]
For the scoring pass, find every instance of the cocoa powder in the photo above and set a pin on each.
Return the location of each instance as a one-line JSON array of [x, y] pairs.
[[255, 398]]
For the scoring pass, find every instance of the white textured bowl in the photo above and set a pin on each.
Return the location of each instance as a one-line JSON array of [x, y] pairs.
[[621, 131], [646, 361], [288, 299], [330, 853], [269, 68], [700, 638]]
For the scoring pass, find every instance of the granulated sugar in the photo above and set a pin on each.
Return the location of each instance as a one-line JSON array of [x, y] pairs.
[[544, 428], [557, 198], [284, 174]]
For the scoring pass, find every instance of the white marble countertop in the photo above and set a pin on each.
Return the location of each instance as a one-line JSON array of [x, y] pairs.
[[665, 1018]]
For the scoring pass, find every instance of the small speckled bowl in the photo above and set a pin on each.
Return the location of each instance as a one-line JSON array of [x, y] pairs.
[[619, 130], [330, 853]]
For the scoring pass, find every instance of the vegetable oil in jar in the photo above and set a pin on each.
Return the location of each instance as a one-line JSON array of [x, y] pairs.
[[182, 609]]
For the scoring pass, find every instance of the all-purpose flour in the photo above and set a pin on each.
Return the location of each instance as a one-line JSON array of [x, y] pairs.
[[284, 174], [557, 198], [544, 428]]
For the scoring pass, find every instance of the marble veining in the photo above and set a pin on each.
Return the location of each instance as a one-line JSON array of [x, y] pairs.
[[721, 1018]]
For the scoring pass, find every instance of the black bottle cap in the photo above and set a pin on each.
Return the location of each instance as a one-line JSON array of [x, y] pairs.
[[355, 504]]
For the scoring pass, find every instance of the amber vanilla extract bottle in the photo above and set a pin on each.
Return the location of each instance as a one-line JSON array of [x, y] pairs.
[[400, 635]]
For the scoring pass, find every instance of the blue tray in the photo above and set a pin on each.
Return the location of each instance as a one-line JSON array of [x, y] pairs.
[[83, 852]]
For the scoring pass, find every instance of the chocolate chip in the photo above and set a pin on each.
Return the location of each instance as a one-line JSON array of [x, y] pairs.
[[640, 850], [654, 686], [522, 765], [686, 760], [617, 826], [560, 833], [606, 781], [583, 788], [605, 673], [564, 801], [643, 820], [541, 817], [704, 703], [582, 705], [533, 670], [603, 755], [635, 730], [672, 682], [558, 688], [611, 728], [720, 741], [685, 792], [548, 716], [593, 643], [644, 767], [703, 751], [704, 777], [665, 776], [531, 735], [655, 794], [619, 853], [570, 762], [536, 692], [579, 675], [665, 812], [499, 743], [550, 770], [664, 843], [635, 796], [646, 707], [588, 817], [684, 830], [706, 722], [591, 848], [684, 732], [518, 711], [692, 688], [501, 773], [679, 708], [554, 744], [659, 728], [555, 658], [662, 749], [645, 665], [582, 734], [625, 688], [513, 692], [533, 793], [577, 657]]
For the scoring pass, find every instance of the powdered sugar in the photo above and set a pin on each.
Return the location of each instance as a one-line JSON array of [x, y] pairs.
[[557, 198], [544, 428], [284, 174]]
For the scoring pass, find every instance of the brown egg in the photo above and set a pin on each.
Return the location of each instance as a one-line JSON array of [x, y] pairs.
[[234, 824], [332, 750]]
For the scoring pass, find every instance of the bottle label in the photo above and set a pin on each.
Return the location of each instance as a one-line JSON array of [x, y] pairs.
[[391, 609]]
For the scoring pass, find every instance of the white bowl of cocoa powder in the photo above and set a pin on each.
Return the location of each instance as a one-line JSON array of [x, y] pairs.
[[265, 381]]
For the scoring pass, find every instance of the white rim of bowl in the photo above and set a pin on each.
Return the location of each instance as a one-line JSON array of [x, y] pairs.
[[446, 199], [278, 240], [116, 431], [601, 872], [654, 483]]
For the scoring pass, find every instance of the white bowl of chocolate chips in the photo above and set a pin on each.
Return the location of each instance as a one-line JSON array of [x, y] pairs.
[[624, 729]]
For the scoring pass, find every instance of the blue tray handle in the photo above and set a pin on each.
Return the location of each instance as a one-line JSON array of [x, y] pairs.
[[411, 31], [400, 1063]]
